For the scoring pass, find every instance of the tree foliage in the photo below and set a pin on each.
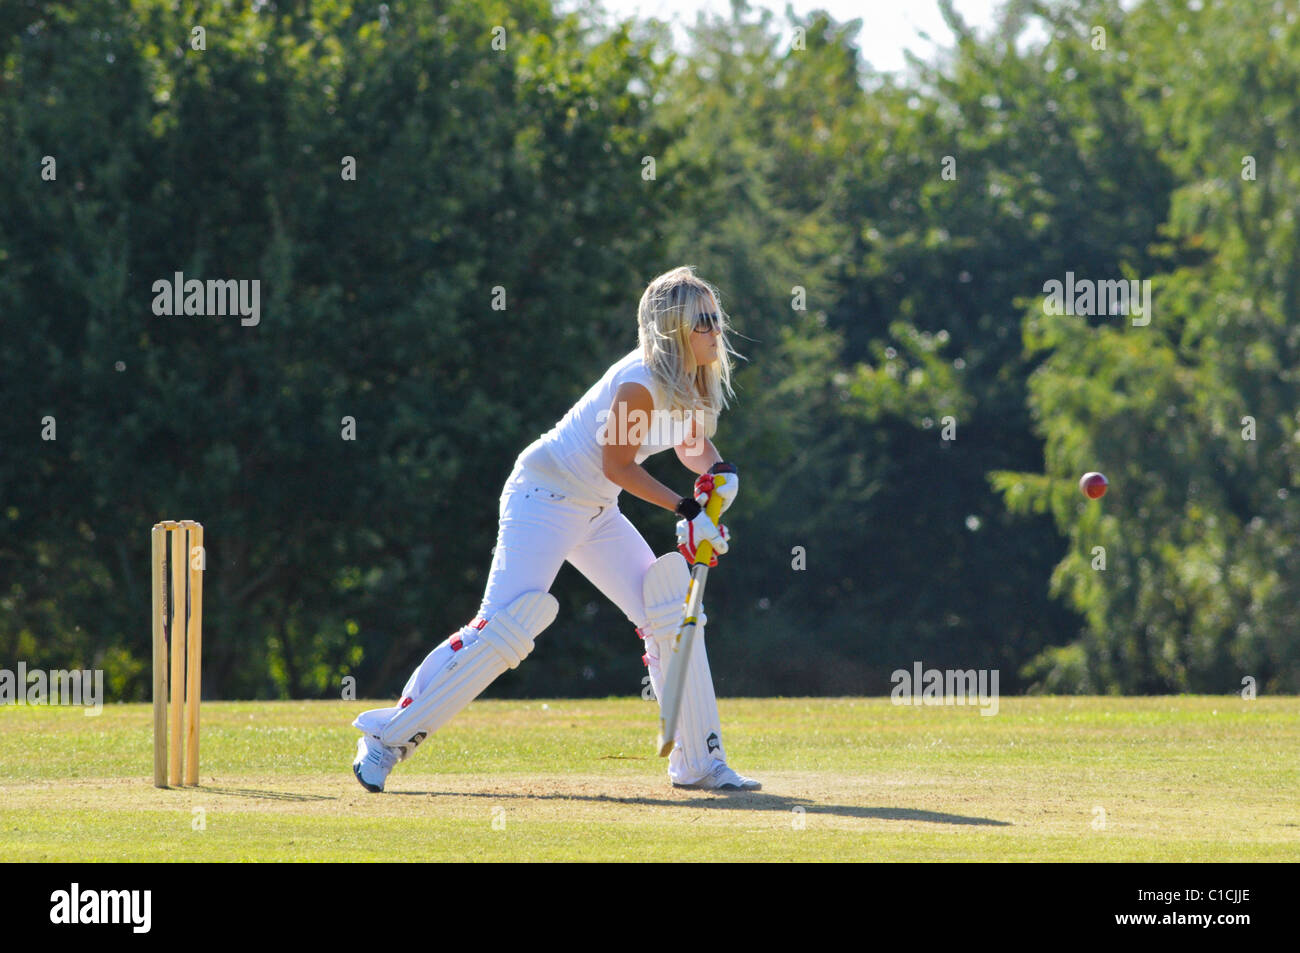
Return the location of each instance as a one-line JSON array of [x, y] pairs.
[[910, 422]]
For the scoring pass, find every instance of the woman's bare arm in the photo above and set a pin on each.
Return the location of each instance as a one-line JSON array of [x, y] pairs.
[[697, 452], [628, 423]]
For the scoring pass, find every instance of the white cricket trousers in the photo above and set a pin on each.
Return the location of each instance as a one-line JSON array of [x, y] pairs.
[[540, 528]]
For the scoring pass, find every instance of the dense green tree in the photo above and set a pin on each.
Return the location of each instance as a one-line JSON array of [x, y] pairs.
[[477, 169], [881, 242], [1194, 415]]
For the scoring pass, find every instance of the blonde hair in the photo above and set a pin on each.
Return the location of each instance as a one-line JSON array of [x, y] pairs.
[[665, 317]]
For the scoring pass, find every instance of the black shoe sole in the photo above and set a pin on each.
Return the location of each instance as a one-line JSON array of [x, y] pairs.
[[724, 787]]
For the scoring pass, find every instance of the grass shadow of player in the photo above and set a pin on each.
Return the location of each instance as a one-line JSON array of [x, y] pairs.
[[733, 801], [262, 795]]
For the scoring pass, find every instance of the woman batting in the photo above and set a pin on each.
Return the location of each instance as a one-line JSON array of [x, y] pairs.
[[561, 503]]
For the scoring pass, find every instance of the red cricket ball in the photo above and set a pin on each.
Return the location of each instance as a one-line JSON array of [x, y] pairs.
[[1093, 485]]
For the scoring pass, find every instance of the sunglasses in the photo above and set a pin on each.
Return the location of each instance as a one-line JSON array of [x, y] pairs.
[[707, 323]]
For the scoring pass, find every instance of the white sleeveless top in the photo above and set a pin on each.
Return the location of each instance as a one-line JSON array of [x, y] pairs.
[[568, 457]]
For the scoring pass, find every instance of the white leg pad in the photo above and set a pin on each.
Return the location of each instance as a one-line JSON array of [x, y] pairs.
[[486, 653], [698, 745]]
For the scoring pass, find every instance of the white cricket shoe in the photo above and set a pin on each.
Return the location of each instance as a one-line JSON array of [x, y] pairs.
[[373, 763], [722, 778]]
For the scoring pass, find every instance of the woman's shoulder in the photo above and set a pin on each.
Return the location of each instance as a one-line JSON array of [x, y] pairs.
[[631, 369]]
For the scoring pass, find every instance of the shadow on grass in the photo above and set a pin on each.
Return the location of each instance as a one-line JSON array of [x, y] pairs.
[[264, 795], [733, 801]]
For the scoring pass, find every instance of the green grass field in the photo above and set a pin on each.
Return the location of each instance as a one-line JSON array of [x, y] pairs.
[[1178, 778]]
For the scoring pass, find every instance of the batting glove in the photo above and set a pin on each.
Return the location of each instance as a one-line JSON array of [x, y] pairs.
[[694, 527], [705, 484]]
